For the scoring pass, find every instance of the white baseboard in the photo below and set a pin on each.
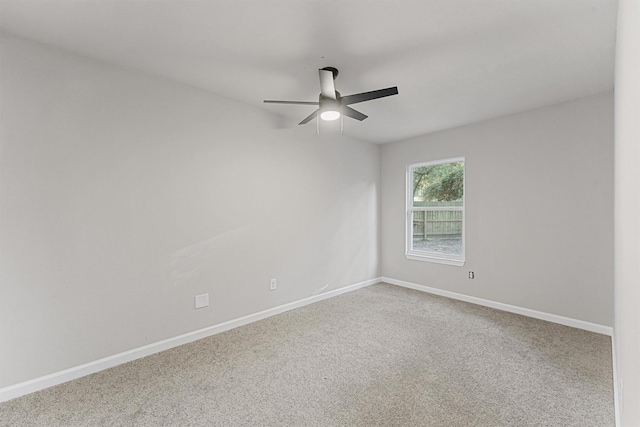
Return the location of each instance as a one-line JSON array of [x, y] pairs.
[[616, 383], [580, 324], [26, 387]]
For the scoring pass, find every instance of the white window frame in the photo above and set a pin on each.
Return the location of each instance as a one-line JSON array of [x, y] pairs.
[[425, 255]]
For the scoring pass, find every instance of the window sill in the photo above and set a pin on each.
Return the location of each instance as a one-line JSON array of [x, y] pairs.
[[427, 258]]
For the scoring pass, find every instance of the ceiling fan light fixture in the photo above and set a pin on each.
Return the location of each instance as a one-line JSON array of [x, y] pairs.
[[330, 115]]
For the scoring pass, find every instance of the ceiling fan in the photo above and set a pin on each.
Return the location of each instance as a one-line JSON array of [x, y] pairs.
[[331, 105]]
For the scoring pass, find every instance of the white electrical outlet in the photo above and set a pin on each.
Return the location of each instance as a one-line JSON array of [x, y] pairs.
[[202, 300], [272, 284]]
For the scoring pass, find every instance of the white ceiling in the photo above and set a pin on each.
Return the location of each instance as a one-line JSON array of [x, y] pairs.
[[454, 61]]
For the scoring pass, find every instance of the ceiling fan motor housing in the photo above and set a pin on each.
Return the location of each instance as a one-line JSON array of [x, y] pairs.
[[323, 99], [328, 104]]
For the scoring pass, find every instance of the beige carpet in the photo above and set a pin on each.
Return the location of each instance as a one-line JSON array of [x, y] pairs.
[[379, 356]]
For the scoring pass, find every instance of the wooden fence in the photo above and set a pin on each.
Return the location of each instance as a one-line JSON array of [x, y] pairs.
[[437, 223]]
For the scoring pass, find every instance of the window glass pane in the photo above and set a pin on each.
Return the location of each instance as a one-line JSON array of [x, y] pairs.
[[438, 185], [437, 231]]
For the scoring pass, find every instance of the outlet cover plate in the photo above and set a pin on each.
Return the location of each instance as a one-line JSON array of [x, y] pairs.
[[202, 300]]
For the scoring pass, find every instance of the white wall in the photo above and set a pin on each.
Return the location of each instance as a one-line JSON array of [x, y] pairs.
[[627, 212], [125, 195], [539, 210]]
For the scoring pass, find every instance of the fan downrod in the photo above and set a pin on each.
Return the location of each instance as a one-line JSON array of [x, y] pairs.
[[333, 70]]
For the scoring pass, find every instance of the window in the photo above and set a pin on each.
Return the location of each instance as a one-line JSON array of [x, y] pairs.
[[435, 211]]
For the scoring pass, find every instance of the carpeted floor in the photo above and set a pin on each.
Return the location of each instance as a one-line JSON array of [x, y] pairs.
[[379, 356]]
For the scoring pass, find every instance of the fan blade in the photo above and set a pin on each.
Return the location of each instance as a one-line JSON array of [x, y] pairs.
[[350, 112], [367, 96], [291, 102], [327, 88], [309, 117]]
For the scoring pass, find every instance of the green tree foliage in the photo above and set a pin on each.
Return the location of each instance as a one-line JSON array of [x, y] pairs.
[[439, 183]]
